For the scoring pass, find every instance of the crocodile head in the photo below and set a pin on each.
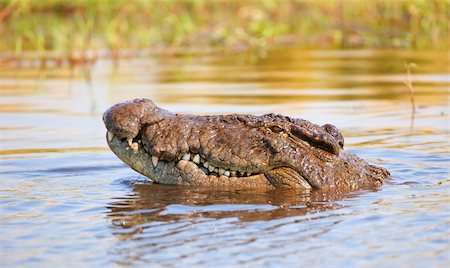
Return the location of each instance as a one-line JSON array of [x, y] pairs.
[[238, 151]]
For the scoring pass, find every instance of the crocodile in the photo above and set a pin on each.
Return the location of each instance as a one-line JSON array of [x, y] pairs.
[[235, 151]]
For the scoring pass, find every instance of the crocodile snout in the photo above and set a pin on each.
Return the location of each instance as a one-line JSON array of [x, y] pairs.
[[243, 151]]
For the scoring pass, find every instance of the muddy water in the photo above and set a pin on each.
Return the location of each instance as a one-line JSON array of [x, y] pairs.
[[67, 201]]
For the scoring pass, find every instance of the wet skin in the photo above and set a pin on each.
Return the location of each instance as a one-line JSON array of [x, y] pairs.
[[234, 151]]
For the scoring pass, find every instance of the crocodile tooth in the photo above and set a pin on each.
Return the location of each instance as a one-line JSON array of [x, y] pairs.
[[130, 141], [206, 164], [155, 160], [110, 135], [196, 159], [227, 173], [248, 174], [233, 173], [211, 168], [221, 171], [186, 157], [134, 146]]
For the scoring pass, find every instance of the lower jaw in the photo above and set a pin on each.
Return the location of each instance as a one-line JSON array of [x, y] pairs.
[[182, 172]]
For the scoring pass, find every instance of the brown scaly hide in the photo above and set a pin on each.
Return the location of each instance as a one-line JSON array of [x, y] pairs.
[[236, 151]]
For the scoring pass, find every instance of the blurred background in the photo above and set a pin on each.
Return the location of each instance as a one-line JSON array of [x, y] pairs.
[[81, 30]]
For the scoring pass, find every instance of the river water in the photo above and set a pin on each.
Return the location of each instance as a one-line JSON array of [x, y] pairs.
[[67, 201]]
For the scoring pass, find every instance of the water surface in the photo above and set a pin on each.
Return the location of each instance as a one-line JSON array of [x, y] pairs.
[[66, 200]]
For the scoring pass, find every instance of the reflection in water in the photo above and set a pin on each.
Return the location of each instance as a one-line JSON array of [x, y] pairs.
[[157, 217], [155, 202]]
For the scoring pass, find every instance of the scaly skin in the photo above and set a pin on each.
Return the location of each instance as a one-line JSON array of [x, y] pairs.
[[234, 151]]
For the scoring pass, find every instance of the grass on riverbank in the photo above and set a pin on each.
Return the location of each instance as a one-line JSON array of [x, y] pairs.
[[79, 28]]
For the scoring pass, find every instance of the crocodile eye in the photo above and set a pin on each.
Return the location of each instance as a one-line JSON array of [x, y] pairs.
[[276, 129]]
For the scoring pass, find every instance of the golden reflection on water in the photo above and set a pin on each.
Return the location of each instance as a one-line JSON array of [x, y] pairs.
[[290, 75], [51, 150]]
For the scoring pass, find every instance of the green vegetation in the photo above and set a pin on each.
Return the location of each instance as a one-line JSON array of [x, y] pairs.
[[69, 27]]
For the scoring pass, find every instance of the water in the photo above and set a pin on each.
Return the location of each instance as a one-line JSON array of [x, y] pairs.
[[67, 201]]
